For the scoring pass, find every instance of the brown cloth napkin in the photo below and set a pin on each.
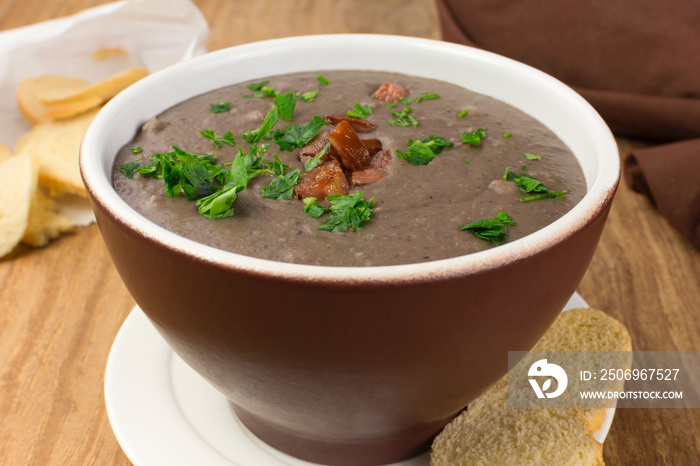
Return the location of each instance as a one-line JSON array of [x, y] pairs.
[[636, 61]]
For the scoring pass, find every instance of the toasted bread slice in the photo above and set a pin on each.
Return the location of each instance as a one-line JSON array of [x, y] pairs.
[[588, 330], [108, 53], [17, 186], [31, 91], [492, 433], [44, 222], [55, 145], [66, 104], [5, 152]]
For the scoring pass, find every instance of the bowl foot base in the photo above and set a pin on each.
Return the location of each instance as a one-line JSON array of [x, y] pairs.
[[353, 452]]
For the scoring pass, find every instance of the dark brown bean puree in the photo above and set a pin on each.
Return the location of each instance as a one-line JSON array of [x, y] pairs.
[[419, 209]]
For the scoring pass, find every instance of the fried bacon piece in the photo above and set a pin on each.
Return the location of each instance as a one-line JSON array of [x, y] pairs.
[[367, 176], [360, 125], [375, 171], [390, 92], [353, 154], [381, 159], [322, 181], [373, 146], [315, 146]]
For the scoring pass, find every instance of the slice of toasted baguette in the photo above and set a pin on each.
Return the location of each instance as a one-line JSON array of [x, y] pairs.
[[17, 186], [5, 152], [30, 91], [492, 433], [55, 145], [588, 330], [44, 222], [108, 53], [65, 104]]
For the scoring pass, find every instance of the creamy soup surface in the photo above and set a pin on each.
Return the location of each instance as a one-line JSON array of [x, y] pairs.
[[418, 209]]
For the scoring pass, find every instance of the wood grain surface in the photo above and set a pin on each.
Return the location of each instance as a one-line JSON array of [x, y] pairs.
[[61, 306]]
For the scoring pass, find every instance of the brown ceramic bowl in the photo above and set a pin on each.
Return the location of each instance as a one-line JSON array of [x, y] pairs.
[[351, 365]]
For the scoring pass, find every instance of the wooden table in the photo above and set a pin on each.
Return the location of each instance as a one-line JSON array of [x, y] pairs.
[[61, 306]]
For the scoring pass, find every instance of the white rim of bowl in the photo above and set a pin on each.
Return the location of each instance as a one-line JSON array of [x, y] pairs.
[[97, 169]]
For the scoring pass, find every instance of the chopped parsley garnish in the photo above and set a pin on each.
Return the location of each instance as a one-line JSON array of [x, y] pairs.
[[506, 135], [226, 139], [314, 161], [463, 113], [427, 97], [290, 138], [532, 156], [306, 96], [285, 103], [256, 135], [281, 186], [136, 150], [297, 136], [223, 107], [419, 99], [528, 184], [260, 90], [323, 80], [423, 152], [220, 203], [257, 86], [473, 138], [181, 171], [404, 118], [360, 111], [312, 209], [491, 229], [129, 169], [346, 211]]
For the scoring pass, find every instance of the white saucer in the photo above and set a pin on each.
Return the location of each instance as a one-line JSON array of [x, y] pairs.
[[164, 413]]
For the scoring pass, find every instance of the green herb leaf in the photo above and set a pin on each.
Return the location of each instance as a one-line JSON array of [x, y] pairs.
[[257, 135], [282, 186], [506, 135], [437, 143], [528, 184], [129, 169], [220, 203], [307, 96], [347, 212], [427, 97], [312, 209], [226, 139], [297, 136], [285, 104], [463, 113], [404, 118], [473, 137], [223, 107], [423, 152], [136, 150], [313, 162], [532, 156], [197, 178], [260, 90], [323, 80], [257, 86], [418, 153], [491, 229], [360, 111]]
